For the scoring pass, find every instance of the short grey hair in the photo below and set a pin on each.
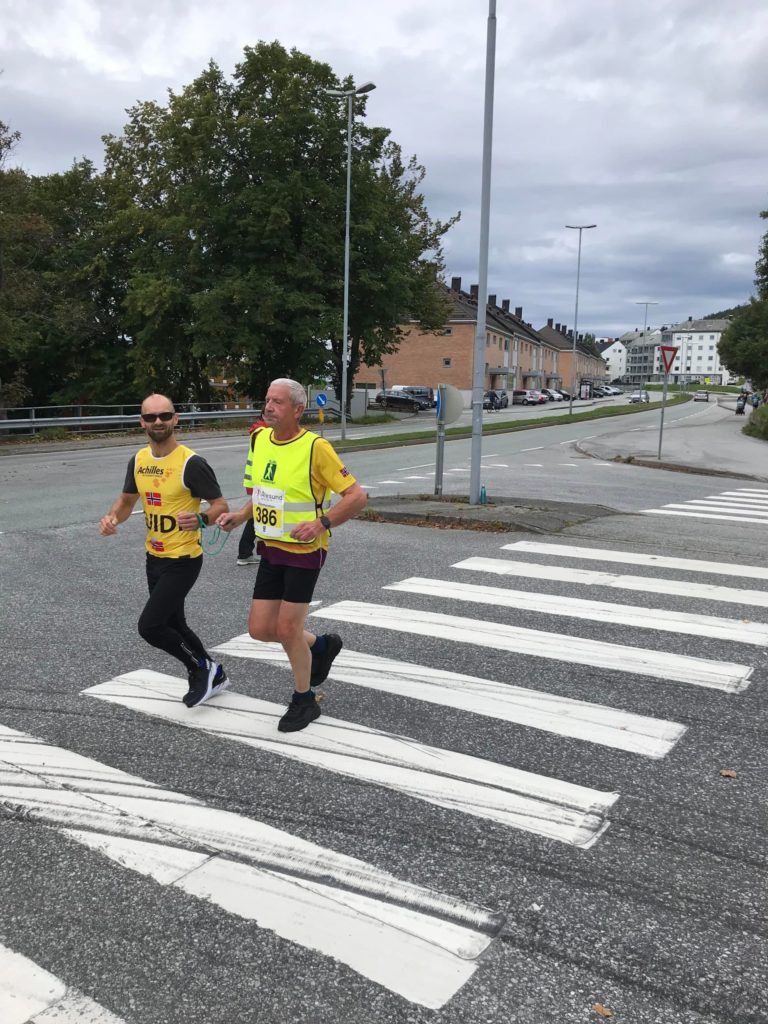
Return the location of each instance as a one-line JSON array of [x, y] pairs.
[[298, 394]]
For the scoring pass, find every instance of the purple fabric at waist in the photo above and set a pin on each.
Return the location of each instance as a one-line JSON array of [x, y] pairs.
[[276, 556]]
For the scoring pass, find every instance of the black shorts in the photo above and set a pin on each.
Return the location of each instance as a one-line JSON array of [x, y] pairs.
[[284, 583]]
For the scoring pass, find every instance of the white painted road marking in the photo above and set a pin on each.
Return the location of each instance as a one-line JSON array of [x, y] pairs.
[[470, 785], [718, 675], [561, 716], [637, 559], [31, 995], [642, 584], [414, 941], [699, 515], [700, 506], [602, 611]]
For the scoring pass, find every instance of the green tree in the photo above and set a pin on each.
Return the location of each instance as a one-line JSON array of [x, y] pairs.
[[230, 202], [743, 346]]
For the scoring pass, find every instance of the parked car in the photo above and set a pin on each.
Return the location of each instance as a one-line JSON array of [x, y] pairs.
[[552, 394], [599, 391], [525, 396], [502, 399], [639, 396], [565, 394], [423, 395], [398, 400], [701, 396], [611, 389]]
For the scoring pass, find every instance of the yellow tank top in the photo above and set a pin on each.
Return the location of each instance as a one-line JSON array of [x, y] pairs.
[[160, 484]]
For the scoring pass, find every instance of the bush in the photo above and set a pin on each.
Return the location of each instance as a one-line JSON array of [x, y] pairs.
[[757, 424]]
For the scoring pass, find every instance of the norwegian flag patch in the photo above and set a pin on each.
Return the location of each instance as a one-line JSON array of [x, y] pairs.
[[153, 497], [156, 545], [344, 471]]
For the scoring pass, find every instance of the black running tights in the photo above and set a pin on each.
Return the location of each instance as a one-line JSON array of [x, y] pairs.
[[162, 623]]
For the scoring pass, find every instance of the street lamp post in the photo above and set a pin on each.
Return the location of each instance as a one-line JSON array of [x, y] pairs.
[[349, 95], [646, 303], [579, 228]]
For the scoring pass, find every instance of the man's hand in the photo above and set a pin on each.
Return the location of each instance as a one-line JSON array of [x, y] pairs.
[[229, 521], [308, 531], [108, 525], [187, 521]]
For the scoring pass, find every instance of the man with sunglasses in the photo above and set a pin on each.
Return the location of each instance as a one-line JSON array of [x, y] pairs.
[[171, 480]]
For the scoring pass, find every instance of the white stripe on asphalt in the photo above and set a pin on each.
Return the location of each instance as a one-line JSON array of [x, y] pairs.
[[718, 675], [642, 584], [470, 785], [633, 558], [733, 510], [31, 995], [698, 515], [561, 716], [749, 490], [741, 500], [603, 611], [414, 941]]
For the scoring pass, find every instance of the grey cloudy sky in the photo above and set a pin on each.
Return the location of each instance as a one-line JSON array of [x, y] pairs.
[[648, 119]]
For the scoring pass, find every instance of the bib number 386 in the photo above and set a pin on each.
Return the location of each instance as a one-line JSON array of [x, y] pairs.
[[269, 511]]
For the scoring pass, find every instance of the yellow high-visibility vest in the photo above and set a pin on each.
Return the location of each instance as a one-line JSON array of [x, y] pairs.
[[280, 474], [160, 483]]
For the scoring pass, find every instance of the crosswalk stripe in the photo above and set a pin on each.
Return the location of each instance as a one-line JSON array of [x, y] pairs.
[[750, 491], [603, 611], [470, 785], [742, 502], [732, 510], [718, 675], [643, 584], [700, 515], [416, 942], [561, 716], [638, 559], [31, 995]]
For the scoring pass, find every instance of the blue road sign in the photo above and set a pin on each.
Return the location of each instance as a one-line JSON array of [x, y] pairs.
[[438, 404], [321, 399]]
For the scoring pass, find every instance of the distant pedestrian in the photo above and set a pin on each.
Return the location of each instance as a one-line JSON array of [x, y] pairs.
[[755, 400], [247, 544], [292, 472], [171, 480], [493, 400]]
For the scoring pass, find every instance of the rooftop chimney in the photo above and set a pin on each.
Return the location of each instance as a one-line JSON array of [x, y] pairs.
[[505, 305], [491, 300], [474, 290], [557, 328], [690, 319], [455, 284], [564, 330], [549, 322], [519, 312]]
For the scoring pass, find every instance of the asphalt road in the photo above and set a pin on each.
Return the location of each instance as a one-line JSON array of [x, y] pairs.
[[538, 822]]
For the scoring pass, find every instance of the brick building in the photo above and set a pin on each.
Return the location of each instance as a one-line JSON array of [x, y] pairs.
[[589, 365], [516, 356]]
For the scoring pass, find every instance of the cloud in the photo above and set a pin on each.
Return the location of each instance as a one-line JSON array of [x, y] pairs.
[[648, 120]]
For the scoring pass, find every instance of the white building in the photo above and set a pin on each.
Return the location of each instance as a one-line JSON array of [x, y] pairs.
[[615, 355], [697, 359]]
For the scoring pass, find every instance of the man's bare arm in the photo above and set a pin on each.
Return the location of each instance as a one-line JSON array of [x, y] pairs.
[[121, 509]]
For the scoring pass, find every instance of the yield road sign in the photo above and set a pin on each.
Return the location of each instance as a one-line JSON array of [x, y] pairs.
[[668, 353]]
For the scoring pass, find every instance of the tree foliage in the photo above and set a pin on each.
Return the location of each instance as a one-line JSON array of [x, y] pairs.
[[743, 346]]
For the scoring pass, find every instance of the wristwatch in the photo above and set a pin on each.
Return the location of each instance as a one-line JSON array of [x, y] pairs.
[[326, 522]]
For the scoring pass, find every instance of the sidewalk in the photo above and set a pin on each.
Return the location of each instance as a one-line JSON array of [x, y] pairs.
[[710, 443]]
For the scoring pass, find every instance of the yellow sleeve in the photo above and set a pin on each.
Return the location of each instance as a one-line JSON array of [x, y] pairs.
[[327, 468]]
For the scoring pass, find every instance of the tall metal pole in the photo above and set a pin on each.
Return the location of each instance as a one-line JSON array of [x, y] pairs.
[[646, 303], [579, 228], [345, 326], [478, 376]]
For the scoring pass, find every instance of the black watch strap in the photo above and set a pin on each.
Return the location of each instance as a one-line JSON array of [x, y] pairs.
[[326, 522]]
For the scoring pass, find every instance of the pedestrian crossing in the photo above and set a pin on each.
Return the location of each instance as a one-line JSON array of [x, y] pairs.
[[744, 505], [421, 944]]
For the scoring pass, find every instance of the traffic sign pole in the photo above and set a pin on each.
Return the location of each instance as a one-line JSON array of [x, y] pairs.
[[668, 353]]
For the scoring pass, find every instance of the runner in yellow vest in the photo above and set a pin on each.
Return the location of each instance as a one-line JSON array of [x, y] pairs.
[[171, 480], [293, 472]]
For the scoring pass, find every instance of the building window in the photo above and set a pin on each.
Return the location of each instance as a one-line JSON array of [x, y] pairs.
[[447, 362], [448, 332]]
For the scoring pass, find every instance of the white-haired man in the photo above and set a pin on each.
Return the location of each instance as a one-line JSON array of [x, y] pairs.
[[292, 472]]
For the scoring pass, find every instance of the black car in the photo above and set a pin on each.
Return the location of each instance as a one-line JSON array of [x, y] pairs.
[[502, 400], [397, 400]]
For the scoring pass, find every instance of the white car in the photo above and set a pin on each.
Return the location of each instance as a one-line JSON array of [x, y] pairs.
[[552, 394]]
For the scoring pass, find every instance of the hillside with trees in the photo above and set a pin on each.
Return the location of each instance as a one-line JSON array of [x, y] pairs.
[[743, 346]]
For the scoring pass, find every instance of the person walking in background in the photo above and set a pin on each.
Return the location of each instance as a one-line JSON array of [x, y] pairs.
[[247, 543], [292, 472], [171, 481]]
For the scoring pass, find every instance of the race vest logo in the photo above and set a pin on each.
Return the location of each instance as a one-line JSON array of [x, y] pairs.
[[150, 471], [159, 523], [153, 498], [269, 471], [157, 545]]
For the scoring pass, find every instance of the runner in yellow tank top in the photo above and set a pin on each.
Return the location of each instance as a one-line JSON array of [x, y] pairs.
[[171, 480], [292, 472]]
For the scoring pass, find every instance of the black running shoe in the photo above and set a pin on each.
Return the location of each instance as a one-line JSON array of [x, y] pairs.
[[220, 681], [321, 663], [200, 684], [299, 714]]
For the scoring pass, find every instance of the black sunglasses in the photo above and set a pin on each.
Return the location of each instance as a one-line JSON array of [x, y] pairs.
[[150, 417]]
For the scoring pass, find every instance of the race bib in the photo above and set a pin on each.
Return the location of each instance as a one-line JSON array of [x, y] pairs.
[[269, 511]]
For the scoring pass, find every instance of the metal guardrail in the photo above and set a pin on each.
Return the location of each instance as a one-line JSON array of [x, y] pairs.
[[119, 420]]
